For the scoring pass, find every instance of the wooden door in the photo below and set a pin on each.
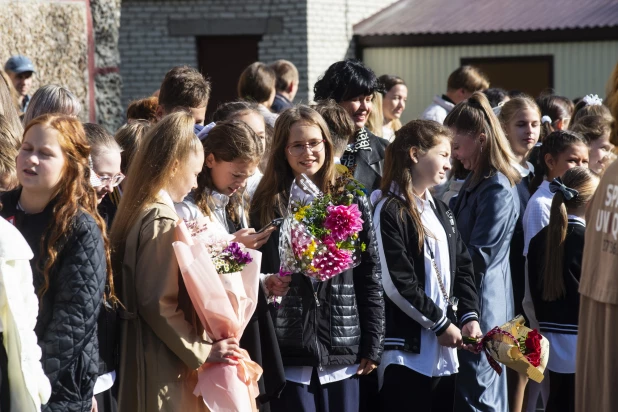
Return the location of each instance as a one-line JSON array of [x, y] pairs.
[[222, 59], [529, 74]]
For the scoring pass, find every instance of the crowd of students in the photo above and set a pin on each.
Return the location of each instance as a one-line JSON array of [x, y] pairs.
[[471, 215]]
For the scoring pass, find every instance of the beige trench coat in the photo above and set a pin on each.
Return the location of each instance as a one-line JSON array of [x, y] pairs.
[[161, 346]]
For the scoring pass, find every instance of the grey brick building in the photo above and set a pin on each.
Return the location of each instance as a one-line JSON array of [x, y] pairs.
[[221, 37]]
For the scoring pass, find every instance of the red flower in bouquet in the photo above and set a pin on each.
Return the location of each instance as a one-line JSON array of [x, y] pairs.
[[343, 221], [333, 261], [533, 347]]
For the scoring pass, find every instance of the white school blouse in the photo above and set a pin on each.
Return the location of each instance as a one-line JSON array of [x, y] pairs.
[[434, 360]]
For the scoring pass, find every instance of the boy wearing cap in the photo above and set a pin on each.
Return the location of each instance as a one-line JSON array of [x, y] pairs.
[[20, 70]]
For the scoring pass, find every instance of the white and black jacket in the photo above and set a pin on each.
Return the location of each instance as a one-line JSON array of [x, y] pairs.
[[560, 315], [407, 307]]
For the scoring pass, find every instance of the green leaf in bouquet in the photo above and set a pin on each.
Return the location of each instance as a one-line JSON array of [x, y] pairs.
[[468, 340]]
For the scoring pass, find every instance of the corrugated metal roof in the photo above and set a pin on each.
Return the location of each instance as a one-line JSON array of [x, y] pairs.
[[480, 16]]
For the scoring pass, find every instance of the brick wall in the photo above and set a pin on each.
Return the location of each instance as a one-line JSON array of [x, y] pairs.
[[315, 34], [148, 50], [330, 31]]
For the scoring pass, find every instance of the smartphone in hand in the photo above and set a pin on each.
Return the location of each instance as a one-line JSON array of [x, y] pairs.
[[275, 223]]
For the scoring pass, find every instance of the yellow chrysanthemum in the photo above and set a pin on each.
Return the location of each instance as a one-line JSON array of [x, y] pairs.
[[311, 248], [301, 213]]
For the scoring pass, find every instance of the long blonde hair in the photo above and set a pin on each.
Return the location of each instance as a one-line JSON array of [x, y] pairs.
[[272, 194], [375, 121], [171, 140], [8, 108], [475, 116], [585, 182], [389, 81], [511, 108], [612, 101]]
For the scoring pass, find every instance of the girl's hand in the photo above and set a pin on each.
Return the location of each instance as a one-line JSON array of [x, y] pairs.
[[225, 351], [95, 407], [366, 367], [451, 338], [277, 285], [253, 240], [473, 330]]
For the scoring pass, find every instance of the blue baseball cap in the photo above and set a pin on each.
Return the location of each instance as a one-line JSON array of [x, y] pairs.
[[19, 64]]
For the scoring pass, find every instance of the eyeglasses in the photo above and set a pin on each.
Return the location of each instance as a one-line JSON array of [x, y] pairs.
[[298, 149], [113, 180]]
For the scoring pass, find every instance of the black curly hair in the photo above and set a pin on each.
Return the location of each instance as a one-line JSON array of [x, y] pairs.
[[345, 80]]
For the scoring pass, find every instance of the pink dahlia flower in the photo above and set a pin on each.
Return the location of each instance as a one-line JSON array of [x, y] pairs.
[[343, 221]]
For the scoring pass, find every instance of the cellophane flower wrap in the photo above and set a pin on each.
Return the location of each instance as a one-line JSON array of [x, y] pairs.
[[222, 279], [320, 235], [517, 347]]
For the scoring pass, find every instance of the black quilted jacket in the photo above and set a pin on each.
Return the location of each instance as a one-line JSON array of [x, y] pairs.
[[339, 321], [67, 323]]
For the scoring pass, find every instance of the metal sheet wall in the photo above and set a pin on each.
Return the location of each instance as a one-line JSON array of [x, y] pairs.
[[579, 68]]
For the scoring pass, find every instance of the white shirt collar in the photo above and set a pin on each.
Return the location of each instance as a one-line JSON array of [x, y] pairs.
[[427, 202], [522, 170], [577, 219]]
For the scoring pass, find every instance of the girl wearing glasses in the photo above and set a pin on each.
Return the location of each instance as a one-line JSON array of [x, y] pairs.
[[329, 332], [106, 161], [55, 210], [105, 155]]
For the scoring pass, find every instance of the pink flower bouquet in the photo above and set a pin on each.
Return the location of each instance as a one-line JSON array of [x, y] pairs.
[[222, 280], [320, 236]]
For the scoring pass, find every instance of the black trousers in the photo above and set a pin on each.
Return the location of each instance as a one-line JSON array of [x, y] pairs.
[[561, 392], [5, 395], [406, 390], [340, 396]]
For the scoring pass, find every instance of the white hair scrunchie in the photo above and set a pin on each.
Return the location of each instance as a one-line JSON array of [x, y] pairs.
[[593, 100], [546, 119]]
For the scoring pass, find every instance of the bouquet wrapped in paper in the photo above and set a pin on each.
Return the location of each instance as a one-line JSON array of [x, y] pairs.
[[514, 345], [222, 280], [320, 235]]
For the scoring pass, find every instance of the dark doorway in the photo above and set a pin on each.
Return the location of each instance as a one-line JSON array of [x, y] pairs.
[[222, 59], [529, 74]]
